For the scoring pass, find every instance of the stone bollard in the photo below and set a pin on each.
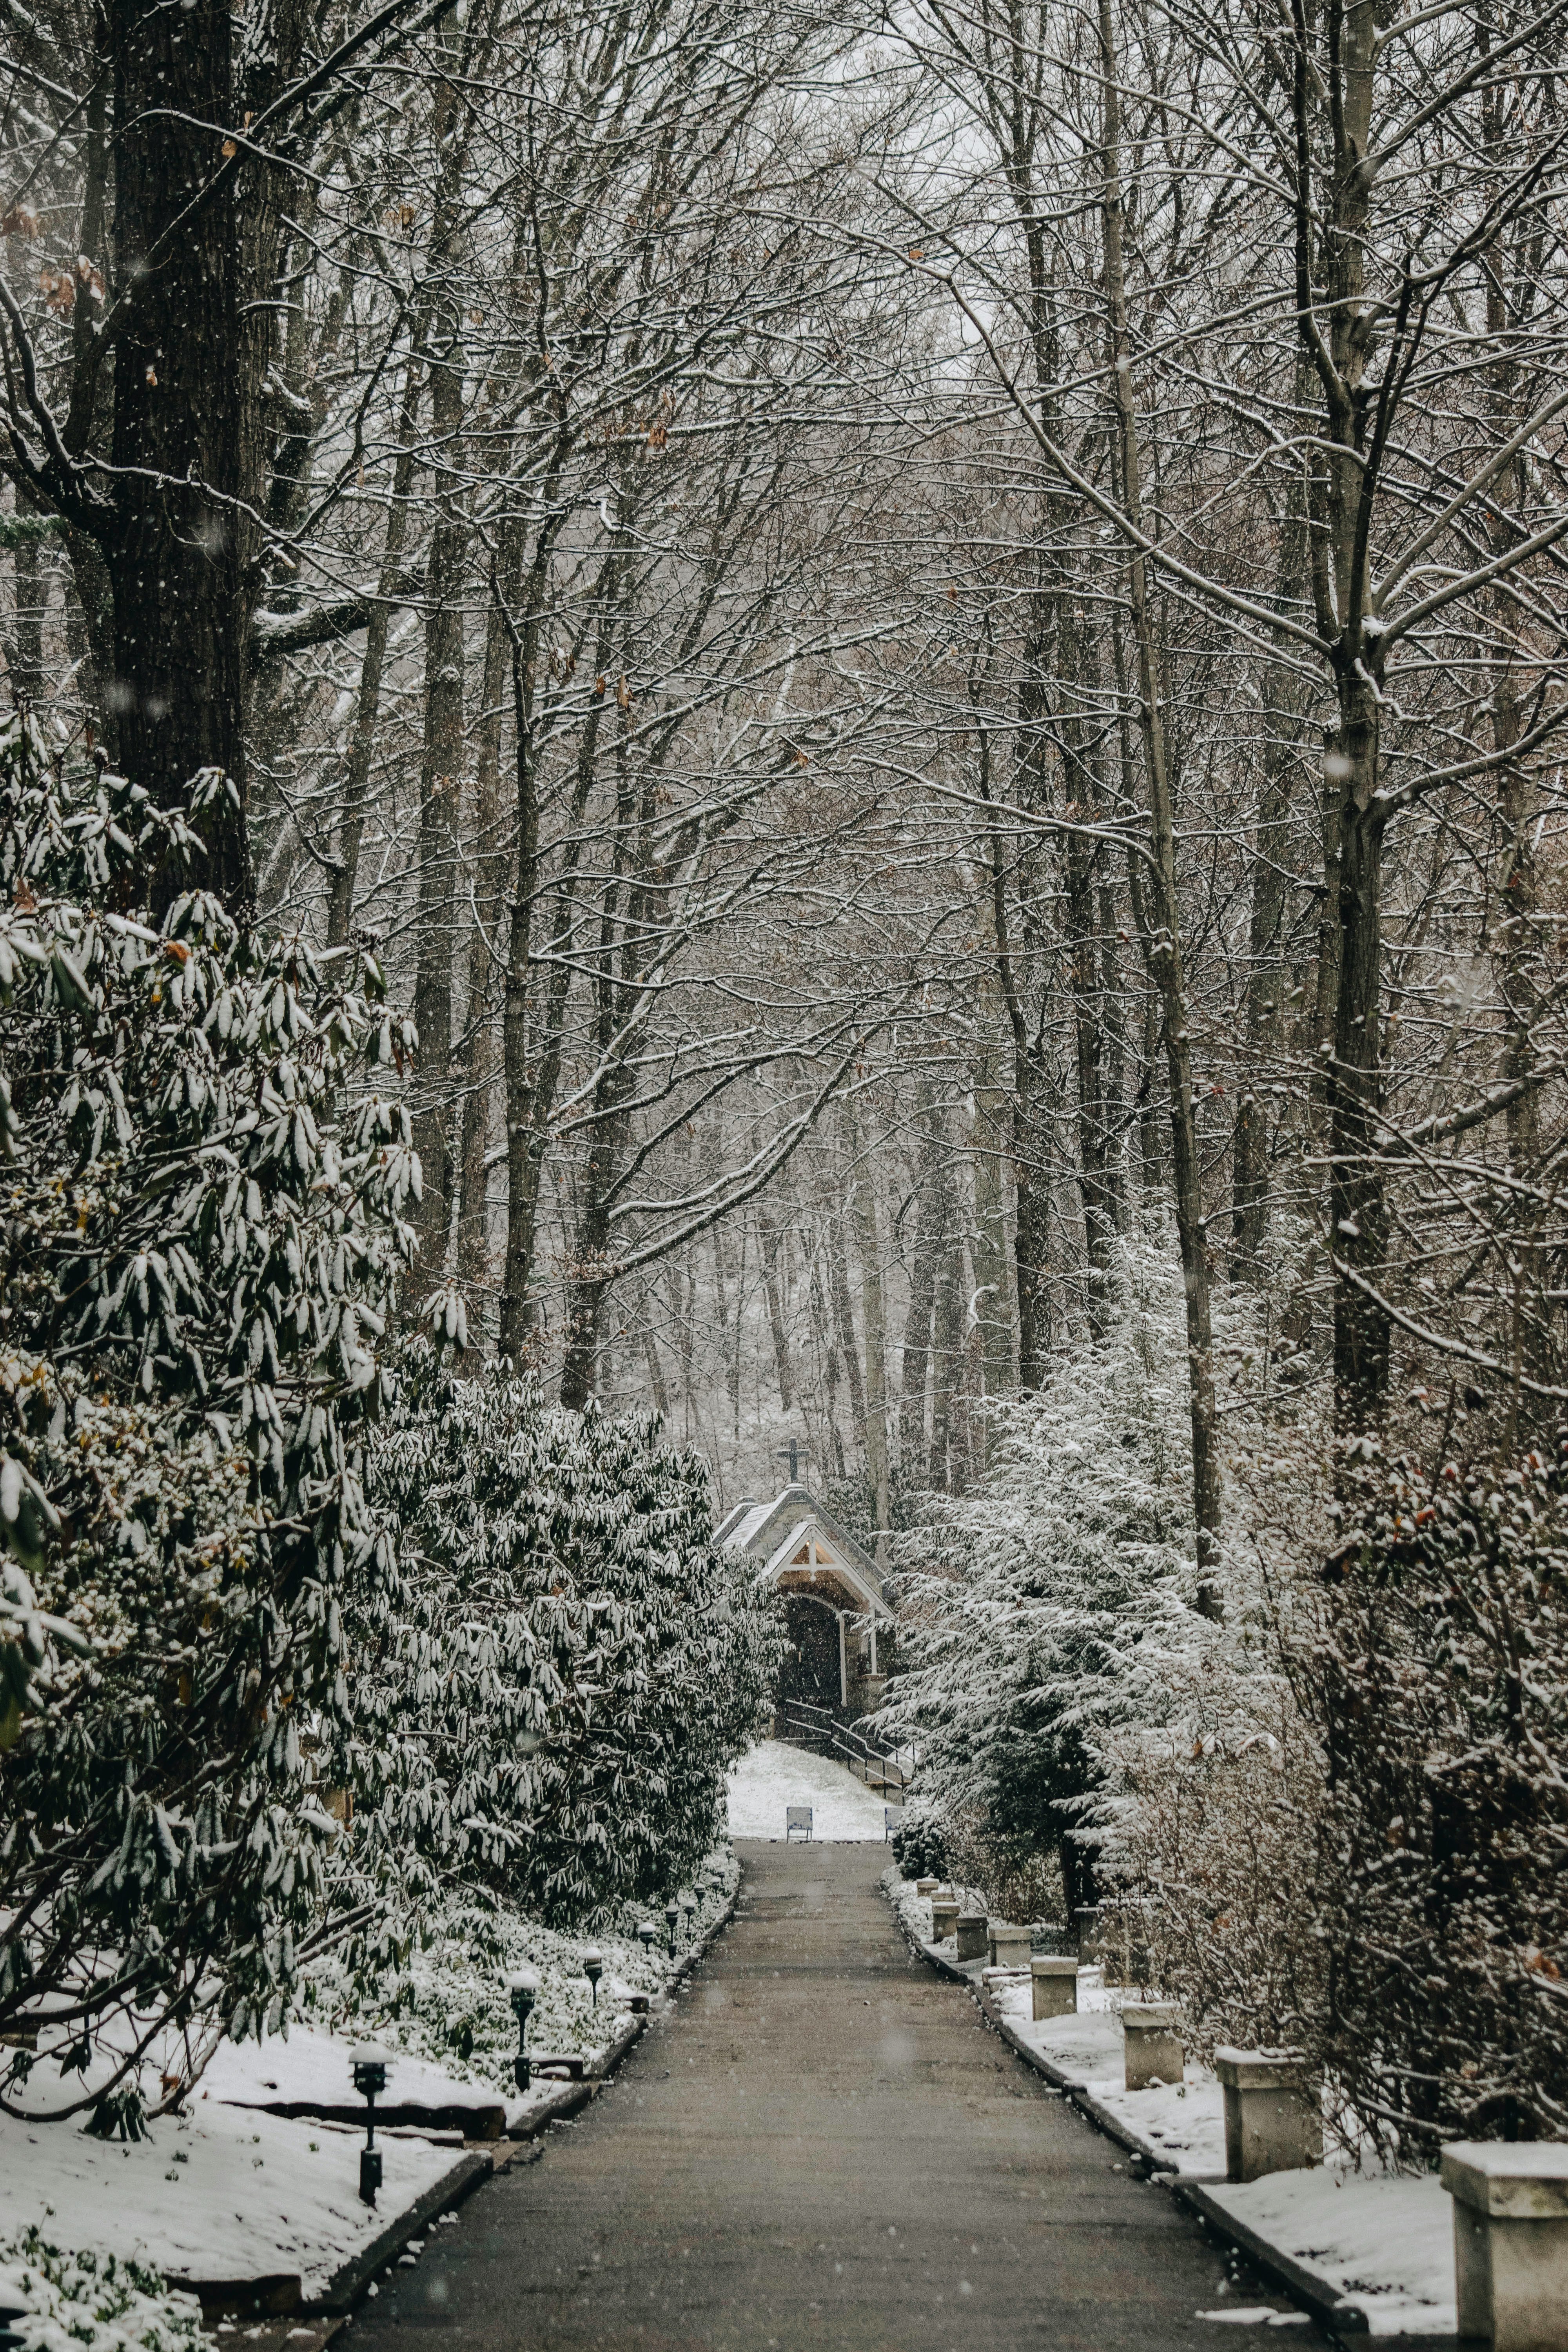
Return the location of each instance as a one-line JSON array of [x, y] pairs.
[[1089, 1946], [943, 1918], [1153, 2046], [1009, 1947], [1054, 1984], [1511, 2241], [1273, 2122], [972, 1935], [927, 1886]]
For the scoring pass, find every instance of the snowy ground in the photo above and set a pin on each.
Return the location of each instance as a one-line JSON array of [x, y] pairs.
[[773, 1776], [1384, 2245], [218, 2194], [1379, 2245]]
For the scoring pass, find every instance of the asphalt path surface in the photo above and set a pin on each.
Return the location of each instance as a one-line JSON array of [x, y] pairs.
[[819, 2145]]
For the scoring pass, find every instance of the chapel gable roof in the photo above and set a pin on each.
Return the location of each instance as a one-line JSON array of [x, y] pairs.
[[763, 1529]]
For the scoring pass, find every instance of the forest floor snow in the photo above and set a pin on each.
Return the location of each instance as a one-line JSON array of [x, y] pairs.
[[1379, 2245], [774, 1776]]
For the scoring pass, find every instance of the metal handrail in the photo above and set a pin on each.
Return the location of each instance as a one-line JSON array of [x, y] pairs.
[[849, 1741]]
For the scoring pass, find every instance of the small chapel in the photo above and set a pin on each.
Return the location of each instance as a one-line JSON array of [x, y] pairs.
[[841, 1621]]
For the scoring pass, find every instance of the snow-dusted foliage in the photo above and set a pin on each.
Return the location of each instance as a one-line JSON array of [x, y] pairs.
[[1048, 1604], [65, 2302], [1438, 1685], [448, 2002], [569, 1667], [201, 1224], [1070, 1694]]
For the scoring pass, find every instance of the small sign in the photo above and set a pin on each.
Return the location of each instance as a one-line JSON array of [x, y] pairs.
[[797, 1817]]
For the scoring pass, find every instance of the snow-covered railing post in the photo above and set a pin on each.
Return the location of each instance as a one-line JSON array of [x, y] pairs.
[[1054, 1984], [944, 1918], [1152, 2051], [1273, 2118], [1511, 2241]]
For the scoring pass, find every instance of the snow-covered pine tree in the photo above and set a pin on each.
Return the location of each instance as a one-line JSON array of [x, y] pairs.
[[202, 1222], [569, 1665]]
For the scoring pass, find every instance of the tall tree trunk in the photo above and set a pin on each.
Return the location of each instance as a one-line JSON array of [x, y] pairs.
[[489, 871], [1264, 976], [874, 1322], [25, 654], [373, 667], [1079, 859], [947, 1466], [989, 1245], [914, 1364], [530, 1048], [844, 1321], [174, 559], [440, 777], [774, 1292], [1166, 931]]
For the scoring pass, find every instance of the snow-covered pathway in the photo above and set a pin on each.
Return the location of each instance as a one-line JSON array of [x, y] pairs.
[[775, 1775], [819, 2149]]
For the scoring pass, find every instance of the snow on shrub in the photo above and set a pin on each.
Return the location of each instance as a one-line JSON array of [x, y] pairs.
[[548, 1707], [87, 2302], [449, 2003], [1050, 1598], [202, 1224]]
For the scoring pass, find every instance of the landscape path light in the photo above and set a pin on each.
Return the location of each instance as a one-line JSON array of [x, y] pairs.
[[646, 1934], [593, 1968], [672, 1921], [371, 2068], [522, 1991]]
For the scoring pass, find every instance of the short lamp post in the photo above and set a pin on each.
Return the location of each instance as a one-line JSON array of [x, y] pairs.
[[522, 1991], [672, 1921], [688, 1905], [593, 1968], [646, 1934], [370, 2072]]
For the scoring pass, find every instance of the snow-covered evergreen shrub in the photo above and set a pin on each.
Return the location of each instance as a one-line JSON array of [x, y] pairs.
[[1438, 1686], [201, 1224], [1046, 1604], [921, 1841], [569, 1667], [449, 2003], [70, 2300]]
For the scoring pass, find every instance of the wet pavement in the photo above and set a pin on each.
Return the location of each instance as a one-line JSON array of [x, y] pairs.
[[820, 2145]]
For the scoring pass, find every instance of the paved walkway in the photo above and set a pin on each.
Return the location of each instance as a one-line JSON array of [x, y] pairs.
[[820, 2147]]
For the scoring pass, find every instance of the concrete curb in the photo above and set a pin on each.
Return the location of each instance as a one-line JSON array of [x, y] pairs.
[[344, 2287]]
